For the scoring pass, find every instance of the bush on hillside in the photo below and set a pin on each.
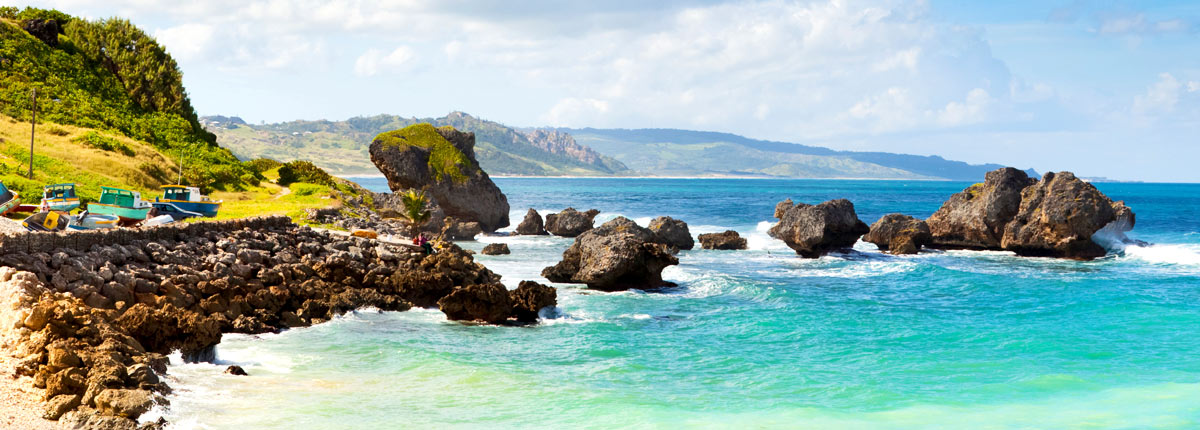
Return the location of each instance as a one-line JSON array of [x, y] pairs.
[[304, 171], [104, 143], [262, 165], [35, 13]]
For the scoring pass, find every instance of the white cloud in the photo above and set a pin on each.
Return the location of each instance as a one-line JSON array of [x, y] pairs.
[[374, 61], [186, 42], [1139, 23], [1161, 97], [568, 109]]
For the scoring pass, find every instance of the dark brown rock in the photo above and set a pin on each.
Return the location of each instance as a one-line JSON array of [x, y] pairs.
[[976, 217], [489, 303], [813, 231], [531, 225], [45, 30], [570, 222], [727, 240], [529, 298], [236, 370], [469, 196], [618, 255], [908, 234], [1058, 216], [672, 232], [495, 249]]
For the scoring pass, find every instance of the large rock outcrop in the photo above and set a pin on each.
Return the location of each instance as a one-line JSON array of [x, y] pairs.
[[570, 222], [672, 232], [529, 298], [489, 303], [815, 230], [1056, 216], [532, 224], [899, 234], [442, 162], [727, 240], [975, 218], [618, 255]]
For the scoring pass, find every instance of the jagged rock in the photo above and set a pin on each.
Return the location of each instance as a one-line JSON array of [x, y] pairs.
[[420, 288], [899, 234], [813, 231], [1058, 216], [236, 370], [529, 298], [60, 404], [92, 420], [124, 403], [727, 240], [495, 249], [453, 179], [976, 217], [618, 255], [672, 232], [570, 222], [489, 303], [453, 229], [781, 208], [532, 224]]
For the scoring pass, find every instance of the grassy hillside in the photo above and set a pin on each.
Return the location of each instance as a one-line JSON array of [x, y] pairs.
[[109, 76], [663, 150], [341, 146]]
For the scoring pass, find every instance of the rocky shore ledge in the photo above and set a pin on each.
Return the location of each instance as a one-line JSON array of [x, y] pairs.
[[91, 316]]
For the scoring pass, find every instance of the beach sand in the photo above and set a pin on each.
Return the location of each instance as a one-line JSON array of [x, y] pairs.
[[19, 405]]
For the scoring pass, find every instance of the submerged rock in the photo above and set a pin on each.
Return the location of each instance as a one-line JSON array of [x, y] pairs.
[[813, 231], [618, 255], [570, 222], [529, 298], [236, 370], [899, 234], [489, 303], [495, 249], [672, 232], [976, 217], [532, 224], [727, 240], [442, 162]]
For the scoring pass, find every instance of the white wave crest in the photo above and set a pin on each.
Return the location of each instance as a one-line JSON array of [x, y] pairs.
[[1180, 254]]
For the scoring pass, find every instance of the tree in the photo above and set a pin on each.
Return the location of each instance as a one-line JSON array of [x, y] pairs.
[[414, 209]]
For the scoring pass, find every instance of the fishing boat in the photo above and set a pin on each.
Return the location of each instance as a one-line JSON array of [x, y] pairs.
[[164, 208], [47, 221], [88, 221], [189, 199], [59, 197], [9, 200], [125, 204]]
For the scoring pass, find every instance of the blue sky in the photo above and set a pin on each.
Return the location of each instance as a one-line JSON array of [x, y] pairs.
[[1102, 88]]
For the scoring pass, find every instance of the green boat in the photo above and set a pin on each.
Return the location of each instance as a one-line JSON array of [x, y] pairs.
[[125, 204], [9, 200]]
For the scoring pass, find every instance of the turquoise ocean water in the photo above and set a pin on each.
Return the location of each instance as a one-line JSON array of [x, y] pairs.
[[757, 338]]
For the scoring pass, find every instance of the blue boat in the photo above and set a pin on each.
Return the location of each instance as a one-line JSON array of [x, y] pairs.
[[189, 199], [59, 197], [9, 200], [164, 208]]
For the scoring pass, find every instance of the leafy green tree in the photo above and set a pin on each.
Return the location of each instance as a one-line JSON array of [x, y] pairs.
[[414, 210], [144, 68]]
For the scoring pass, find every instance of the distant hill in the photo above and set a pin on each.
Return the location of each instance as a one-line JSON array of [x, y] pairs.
[[341, 146], [685, 153]]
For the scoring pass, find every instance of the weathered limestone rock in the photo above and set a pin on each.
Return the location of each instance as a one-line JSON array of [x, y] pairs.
[[532, 225], [529, 298], [618, 255], [489, 303], [442, 162], [1058, 216], [496, 249], [899, 234], [672, 232], [813, 231], [570, 222], [975, 218], [727, 240]]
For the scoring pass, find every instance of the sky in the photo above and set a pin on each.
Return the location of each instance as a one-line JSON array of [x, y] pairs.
[[1101, 88]]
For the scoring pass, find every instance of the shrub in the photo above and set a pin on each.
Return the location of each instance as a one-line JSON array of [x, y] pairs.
[[36, 13], [306, 189], [262, 165], [9, 12], [57, 131], [304, 171], [105, 143]]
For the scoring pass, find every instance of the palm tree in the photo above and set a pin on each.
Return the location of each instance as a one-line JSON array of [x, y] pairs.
[[414, 209]]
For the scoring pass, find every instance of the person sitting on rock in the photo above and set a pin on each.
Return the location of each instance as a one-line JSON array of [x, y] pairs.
[[423, 242]]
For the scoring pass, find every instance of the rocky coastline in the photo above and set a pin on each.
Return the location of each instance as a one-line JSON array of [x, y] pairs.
[[92, 316]]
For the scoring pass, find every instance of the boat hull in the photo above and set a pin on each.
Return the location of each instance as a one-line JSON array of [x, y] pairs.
[[124, 213], [94, 222], [208, 209], [11, 204], [65, 205]]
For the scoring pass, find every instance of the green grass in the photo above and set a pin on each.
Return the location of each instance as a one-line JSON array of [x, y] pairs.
[[445, 161]]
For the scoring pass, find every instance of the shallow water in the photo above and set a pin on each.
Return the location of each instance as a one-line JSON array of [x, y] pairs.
[[758, 338]]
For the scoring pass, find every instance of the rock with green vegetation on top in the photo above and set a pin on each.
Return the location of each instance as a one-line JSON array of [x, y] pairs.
[[975, 217], [442, 162]]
